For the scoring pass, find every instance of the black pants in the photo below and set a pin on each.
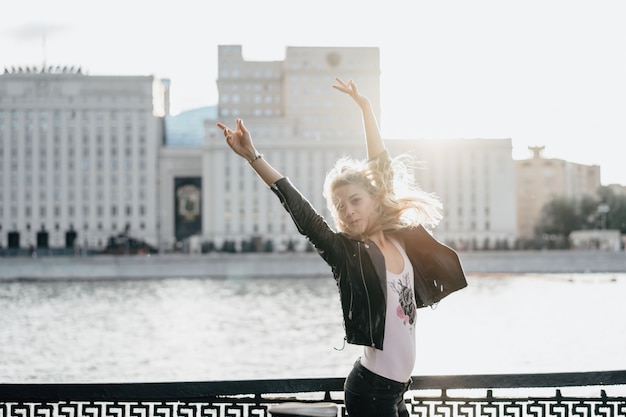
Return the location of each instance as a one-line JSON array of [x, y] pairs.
[[368, 394]]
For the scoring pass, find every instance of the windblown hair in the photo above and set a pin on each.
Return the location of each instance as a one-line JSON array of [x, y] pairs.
[[401, 202]]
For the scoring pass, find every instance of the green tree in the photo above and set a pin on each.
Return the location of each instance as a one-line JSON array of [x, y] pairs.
[[560, 216]]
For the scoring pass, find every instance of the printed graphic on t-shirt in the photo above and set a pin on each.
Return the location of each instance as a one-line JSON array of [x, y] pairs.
[[407, 308]]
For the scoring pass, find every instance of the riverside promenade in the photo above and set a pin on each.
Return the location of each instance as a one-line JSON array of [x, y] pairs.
[[288, 265]]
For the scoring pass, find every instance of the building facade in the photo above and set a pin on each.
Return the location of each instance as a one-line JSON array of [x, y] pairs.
[[78, 156], [83, 158], [299, 123], [302, 126], [540, 180], [475, 181]]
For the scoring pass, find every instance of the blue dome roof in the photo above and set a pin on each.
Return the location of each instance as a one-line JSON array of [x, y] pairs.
[[187, 128]]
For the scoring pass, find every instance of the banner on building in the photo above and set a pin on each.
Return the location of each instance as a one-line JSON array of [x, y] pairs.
[[187, 207]]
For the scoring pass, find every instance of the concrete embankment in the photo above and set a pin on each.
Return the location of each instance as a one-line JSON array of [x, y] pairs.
[[289, 264]]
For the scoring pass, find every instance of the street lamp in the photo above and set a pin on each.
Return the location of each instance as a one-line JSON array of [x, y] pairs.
[[602, 210]]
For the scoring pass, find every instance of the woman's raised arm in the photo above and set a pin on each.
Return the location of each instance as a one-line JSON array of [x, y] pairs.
[[374, 141], [240, 141]]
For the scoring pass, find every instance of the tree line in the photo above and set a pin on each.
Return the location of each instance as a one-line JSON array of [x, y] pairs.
[[562, 215]]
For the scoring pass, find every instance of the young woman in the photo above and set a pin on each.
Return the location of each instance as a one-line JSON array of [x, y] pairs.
[[385, 263]]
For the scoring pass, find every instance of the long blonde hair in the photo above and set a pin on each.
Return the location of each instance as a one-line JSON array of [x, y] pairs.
[[401, 202]]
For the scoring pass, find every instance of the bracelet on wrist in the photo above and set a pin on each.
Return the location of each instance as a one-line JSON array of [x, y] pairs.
[[256, 156]]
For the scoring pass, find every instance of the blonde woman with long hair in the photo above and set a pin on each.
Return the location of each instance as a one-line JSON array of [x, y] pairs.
[[384, 261]]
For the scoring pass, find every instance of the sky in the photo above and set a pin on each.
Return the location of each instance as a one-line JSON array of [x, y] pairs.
[[541, 72]]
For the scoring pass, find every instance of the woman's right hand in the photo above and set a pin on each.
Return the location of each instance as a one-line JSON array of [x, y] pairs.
[[239, 140]]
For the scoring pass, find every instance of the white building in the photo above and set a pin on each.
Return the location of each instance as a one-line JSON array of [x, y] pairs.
[[302, 126], [299, 123], [475, 180], [86, 154], [79, 153]]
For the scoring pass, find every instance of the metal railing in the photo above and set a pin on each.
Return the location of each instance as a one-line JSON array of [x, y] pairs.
[[461, 395]]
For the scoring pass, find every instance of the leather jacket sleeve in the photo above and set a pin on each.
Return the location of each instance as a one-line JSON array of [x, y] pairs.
[[360, 291], [437, 268], [307, 220]]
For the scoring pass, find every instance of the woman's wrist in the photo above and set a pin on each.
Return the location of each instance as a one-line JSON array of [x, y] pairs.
[[364, 103], [256, 155]]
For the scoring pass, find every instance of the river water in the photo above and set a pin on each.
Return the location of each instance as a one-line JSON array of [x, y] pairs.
[[203, 329]]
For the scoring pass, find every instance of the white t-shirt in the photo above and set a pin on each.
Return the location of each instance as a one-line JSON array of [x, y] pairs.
[[397, 358]]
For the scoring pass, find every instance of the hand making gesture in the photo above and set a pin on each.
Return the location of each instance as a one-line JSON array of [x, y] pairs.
[[239, 140], [351, 89], [375, 143]]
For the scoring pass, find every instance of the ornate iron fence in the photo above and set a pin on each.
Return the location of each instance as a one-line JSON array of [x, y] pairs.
[[509, 395]]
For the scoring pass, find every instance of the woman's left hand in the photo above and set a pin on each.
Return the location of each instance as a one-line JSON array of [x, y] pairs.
[[350, 88]]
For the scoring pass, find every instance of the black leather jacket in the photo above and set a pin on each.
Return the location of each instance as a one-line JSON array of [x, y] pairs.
[[359, 267]]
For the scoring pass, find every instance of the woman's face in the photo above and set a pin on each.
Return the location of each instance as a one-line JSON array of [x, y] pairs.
[[355, 207]]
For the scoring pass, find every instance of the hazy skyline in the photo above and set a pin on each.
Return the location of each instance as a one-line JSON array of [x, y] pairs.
[[543, 73]]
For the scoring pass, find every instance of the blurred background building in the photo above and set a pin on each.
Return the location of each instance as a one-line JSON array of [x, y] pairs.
[[475, 180], [84, 158], [78, 156], [539, 180]]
